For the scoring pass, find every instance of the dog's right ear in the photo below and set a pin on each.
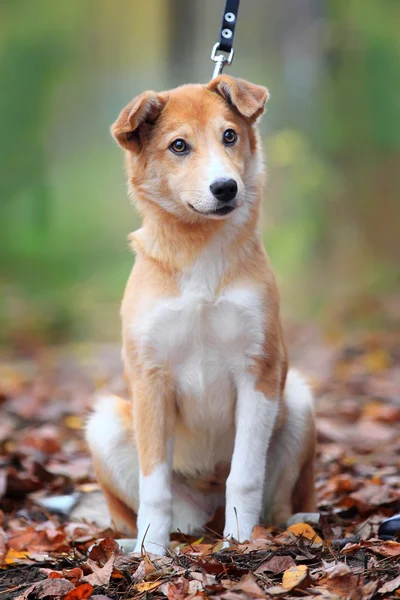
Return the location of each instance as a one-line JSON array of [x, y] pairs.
[[142, 110]]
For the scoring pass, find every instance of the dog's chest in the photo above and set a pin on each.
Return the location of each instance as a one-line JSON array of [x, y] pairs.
[[204, 340]]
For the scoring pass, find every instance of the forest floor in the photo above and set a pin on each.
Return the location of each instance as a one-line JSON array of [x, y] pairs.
[[45, 473]]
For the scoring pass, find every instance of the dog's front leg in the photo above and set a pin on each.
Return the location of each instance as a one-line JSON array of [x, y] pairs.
[[153, 420], [256, 413]]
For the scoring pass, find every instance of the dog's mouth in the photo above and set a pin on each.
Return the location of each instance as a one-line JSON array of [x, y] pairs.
[[218, 212]]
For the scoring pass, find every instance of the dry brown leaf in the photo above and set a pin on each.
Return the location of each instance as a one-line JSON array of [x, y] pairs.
[[296, 577], [102, 551], [276, 590], [34, 539], [249, 586], [342, 483], [260, 532], [3, 547], [390, 586], [389, 549], [276, 564], [371, 496], [100, 575], [145, 568], [80, 532], [47, 587], [306, 531], [201, 549], [339, 579], [178, 589]]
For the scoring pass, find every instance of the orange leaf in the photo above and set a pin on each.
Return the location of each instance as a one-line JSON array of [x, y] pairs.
[[296, 577], [79, 593], [13, 556], [305, 530], [146, 586]]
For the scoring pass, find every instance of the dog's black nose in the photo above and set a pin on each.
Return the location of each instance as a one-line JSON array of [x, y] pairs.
[[224, 189]]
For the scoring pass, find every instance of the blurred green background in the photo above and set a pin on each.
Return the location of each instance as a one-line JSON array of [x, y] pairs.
[[331, 136]]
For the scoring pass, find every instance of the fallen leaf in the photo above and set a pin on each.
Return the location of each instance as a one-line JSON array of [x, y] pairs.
[[14, 556], [147, 586], [249, 586], [277, 590], [47, 588], [260, 533], [81, 592], [102, 550], [276, 564], [296, 577], [3, 547], [80, 532], [100, 575], [177, 590], [389, 549], [390, 586], [43, 538], [339, 579], [305, 530], [371, 496], [73, 575], [145, 568]]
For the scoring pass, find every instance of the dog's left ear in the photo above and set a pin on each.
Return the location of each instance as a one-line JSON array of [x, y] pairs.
[[248, 99]]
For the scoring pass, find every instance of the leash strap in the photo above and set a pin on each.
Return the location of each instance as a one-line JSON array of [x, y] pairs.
[[225, 40]]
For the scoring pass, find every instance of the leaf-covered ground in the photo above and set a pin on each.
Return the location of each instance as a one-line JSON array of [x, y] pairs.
[[47, 485]]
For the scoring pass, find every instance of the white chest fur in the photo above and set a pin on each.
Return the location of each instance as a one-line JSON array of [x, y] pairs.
[[203, 341]]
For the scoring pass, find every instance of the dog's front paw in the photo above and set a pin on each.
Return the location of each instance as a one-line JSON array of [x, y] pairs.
[[153, 532], [156, 547], [154, 539], [238, 532]]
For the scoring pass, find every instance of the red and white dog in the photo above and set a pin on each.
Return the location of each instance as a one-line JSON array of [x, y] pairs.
[[203, 351]]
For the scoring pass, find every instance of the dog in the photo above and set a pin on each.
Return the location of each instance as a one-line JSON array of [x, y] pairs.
[[215, 418]]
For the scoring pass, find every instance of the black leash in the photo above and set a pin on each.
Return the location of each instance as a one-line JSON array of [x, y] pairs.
[[225, 41]]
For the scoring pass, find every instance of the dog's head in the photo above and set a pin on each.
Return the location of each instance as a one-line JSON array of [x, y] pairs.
[[194, 150]]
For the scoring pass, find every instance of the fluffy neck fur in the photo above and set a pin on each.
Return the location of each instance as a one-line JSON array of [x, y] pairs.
[[175, 244]]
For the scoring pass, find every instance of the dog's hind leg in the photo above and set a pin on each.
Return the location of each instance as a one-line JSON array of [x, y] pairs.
[[110, 437], [289, 484]]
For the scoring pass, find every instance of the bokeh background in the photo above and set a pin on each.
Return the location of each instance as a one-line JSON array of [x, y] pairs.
[[331, 136]]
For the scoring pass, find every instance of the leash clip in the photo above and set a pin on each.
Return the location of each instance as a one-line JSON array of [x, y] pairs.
[[222, 53], [220, 60]]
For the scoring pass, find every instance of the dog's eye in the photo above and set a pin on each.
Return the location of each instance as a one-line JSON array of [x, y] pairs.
[[230, 137], [179, 146]]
